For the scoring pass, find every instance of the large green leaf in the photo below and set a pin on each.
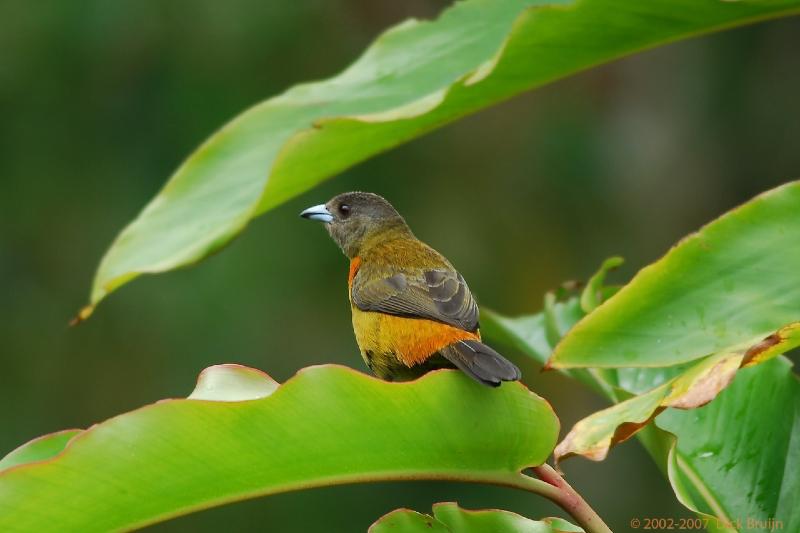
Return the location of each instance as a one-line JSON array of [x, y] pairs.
[[738, 458], [733, 460], [537, 335], [528, 334], [729, 269], [733, 281], [327, 425], [414, 78], [39, 449], [450, 518], [694, 386]]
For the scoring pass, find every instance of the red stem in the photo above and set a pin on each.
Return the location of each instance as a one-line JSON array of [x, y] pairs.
[[571, 501]]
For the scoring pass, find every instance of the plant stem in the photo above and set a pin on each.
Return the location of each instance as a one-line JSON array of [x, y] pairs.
[[553, 487]]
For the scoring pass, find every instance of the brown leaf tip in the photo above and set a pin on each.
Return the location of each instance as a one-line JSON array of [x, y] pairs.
[[760, 347], [82, 315]]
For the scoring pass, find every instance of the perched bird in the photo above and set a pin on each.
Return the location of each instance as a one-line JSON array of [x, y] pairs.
[[412, 311]]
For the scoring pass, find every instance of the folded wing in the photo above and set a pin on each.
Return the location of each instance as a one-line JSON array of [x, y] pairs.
[[435, 294]]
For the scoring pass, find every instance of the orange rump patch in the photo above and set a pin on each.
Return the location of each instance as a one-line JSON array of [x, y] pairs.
[[413, 340]]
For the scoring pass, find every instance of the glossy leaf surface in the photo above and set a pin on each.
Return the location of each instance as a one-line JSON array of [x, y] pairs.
[[738, 458], [693, 387], [734, 460], [414, 78], [733, 281], [39, 449], [327, 425], [449, 517]]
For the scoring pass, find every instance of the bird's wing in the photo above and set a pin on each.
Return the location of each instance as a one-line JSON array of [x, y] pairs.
[[436, 294]]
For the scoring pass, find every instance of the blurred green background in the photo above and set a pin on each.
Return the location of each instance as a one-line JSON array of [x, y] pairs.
[[101, 101]]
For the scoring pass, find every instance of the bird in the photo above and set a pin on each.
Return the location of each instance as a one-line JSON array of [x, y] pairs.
[[412, 311]]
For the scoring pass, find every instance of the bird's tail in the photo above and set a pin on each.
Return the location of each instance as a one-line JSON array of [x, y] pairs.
[[481, 363]]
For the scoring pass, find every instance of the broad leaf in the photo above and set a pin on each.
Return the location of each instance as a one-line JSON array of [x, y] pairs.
[[528, 333], [39, 449], [414, 78], [233, 383], [537, 335], [407, 521], [738, 458], [694, 387], [594, 292], [733, 281], [734, 459], [449, 517], [327, 425]]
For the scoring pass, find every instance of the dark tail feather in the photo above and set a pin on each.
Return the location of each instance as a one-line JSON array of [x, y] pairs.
[[481, 363]]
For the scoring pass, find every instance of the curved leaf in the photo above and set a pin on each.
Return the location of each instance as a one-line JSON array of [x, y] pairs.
[[407, 521], [733, 281], [537, 335], [233, 383], [592, 294], [414, 78], [738, 458], [732, 460], [528, 332], [327, 425], [449, 517], [694, 387], [39, 449]]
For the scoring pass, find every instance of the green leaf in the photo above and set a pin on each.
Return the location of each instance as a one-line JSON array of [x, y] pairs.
[[233, 383], [732, 460], [532, 334], [745, 447], [537, 335], [694, 387], [528, 333], [592, 294], [39, 449], [407, 521], [719, 288], [414, 78], [449, 517], [327, 425]]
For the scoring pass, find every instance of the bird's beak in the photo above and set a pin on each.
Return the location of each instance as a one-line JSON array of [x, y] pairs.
[[318, 212]]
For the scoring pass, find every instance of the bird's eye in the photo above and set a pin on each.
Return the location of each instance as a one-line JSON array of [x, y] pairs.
[[344, 210]]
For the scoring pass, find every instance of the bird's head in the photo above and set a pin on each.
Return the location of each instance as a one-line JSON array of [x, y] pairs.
[[354, 219]]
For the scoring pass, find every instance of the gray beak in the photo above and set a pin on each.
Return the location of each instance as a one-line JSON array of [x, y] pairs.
[[318, 212]]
